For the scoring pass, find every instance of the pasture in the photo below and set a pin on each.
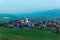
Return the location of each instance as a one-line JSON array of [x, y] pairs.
[[23, 34]]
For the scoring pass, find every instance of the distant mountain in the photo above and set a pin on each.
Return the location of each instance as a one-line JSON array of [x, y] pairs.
[[48, 13], [55, 12]]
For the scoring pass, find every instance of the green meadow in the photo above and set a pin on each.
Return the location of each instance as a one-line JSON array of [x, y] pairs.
[[23, 34]]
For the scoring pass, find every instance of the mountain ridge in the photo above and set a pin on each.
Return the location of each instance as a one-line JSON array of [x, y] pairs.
[[54, 12]]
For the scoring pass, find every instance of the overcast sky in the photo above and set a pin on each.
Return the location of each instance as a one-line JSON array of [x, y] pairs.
[[16, 6]]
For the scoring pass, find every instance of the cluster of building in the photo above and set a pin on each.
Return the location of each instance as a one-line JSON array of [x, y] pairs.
[[33, 23]]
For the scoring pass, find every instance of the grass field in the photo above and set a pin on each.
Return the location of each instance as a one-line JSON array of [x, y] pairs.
[[23, 34]]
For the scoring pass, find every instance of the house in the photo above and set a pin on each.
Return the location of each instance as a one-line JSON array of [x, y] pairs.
[[1, 24]]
